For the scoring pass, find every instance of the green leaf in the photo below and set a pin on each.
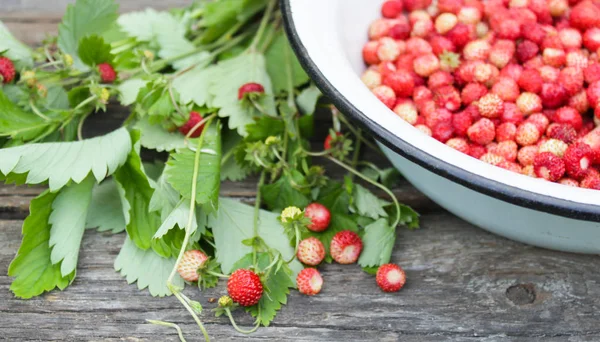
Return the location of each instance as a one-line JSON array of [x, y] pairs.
[[280, 59], [17, 123], [165, 198], [33, 271], [180, 169], [228, 77], [146, 25], [135, 264], [69, 211], [368, 204], [178, 217], [282, 194], [263, 128], [219, 16], [58, 163], [233, 223], [193, 85], [307, 100], [136, 192], [230, 168], [130, 89], [409, 217], [84, 18], [93, 50], [156, 137], [106, 211], [378, 243], [18, 52], [277, 288]]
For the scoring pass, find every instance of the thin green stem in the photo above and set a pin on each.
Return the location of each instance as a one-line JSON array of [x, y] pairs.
[[261, 182], [37, 112], [191, 311], [85, 102], [219, 275], [356, 151], [171, 325], [355, 132], [263, 24], [297, 236], [80, 127], [372, 182], [238, 329]]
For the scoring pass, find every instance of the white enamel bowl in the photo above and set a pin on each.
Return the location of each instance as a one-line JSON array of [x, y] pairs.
[[328, 36]]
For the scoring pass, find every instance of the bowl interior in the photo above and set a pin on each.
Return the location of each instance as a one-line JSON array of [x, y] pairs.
[[329, 36]]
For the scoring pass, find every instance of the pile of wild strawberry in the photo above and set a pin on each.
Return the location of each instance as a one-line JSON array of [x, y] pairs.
[[244, 286], [514, 83]]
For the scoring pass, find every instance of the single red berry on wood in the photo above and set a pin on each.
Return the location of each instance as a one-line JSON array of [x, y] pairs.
[[244, 287], [319, 216], [7, 70], [390, 277], [309, 281], [250, 88], [195, 119], [107, 73], [345, 247], [311, 251]]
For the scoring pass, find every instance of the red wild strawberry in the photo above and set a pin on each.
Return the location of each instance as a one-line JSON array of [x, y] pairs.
[[569, 182], [244, 287], [591, 39], [469, 15], [585, 16], [400, 31], [490, 105], [506, 132], [472, 92], [577, 59], [526, 50], [441, 44], [505, 149], [529, 103], [502, 53], [424, 129], [527, 154], [534, 32], [440, 115], [388, 49], [569, 116], [558, 7], [386, 95], [412, 5], [418, 46], [371, 78], [570, 38], [482, 132], [450, 6], [512, 70], [572, 79], [459, 144], [250, 88], [391, 9], [425, 65], [193, 121], [380, 28], [579, 102], [422, 94], [7, 70], [476, 50], [578, 159], [549, 166], [189, 265], [508, 29], [527, 134], [407, 112], [461, 122], [443, 131], [591, 182], [549, 74], [492, 159], [447, 97], [540, 121], [422, 28], [309, 281], [369, 53], [592, 73], [531, 81], [511, 113], [327, 146], [485, 73], [554, 146], [460, 34], [554, 57], [439, 79], [390, 277], [593, 94], [553, 95], [345, 247], [506, 88], [401, 82], [510, 166], [551, 41], [107, 73], [311, 251], [318, 214], [561, 132], [477, 151]]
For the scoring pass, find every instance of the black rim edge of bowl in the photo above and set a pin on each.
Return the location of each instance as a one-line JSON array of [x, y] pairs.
[[492, 188]]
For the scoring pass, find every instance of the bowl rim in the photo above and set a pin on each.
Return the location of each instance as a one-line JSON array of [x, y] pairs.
[[493, 188]]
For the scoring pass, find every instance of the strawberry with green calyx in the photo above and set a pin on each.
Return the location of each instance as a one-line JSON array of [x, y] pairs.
[[250, 90], [244, 287], [7, 70], [193, 126], [190, 264], [107, 73], [337, 144]]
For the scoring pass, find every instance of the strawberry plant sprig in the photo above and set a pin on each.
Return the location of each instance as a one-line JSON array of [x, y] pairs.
[[215, 86]]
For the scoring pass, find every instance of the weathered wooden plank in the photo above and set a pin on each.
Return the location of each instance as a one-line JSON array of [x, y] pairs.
[[458, 290]]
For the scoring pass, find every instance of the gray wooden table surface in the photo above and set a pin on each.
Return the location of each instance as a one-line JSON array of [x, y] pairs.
[[463, 284]]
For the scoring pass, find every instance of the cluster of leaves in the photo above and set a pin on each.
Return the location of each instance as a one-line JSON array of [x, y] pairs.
[[169, 64]]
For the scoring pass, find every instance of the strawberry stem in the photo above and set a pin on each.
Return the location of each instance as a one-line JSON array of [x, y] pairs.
[[256, 217], [235, 326], [263, 25], [171, 325]]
